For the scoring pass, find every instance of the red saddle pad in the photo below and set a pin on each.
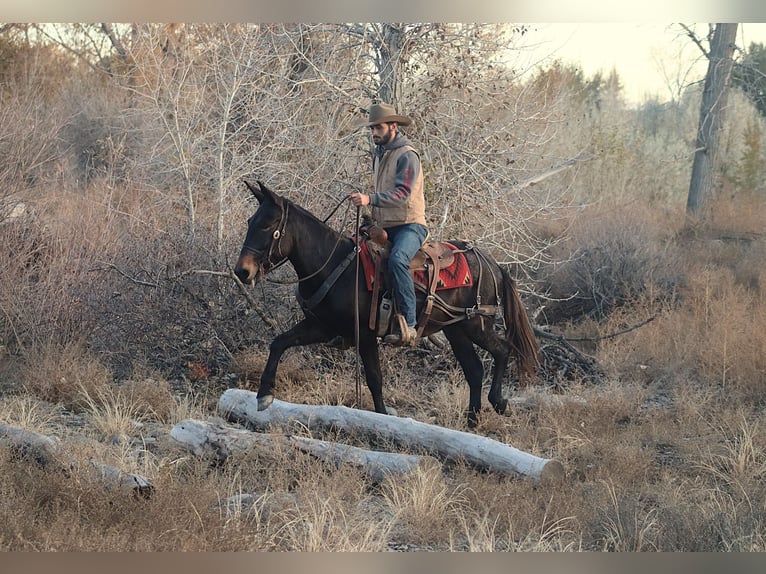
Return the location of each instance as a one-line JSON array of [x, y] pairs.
[[458, 274]]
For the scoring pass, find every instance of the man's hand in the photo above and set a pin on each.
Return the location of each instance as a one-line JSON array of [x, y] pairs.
[[359, 199]]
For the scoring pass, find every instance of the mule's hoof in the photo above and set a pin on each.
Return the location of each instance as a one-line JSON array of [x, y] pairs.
[[501, 406], [265, 402]]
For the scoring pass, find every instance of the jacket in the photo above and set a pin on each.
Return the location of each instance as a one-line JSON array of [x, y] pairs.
[[398, 179]]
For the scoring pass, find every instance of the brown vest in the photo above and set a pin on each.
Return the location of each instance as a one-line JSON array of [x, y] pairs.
[[413, 210]]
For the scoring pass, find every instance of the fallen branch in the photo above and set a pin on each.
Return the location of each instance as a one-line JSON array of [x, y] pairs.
[[45, 451], [480, 452], [616, 333], [563, 361], [220, 442]]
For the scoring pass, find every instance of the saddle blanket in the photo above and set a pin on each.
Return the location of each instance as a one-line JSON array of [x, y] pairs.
[[458, 274]]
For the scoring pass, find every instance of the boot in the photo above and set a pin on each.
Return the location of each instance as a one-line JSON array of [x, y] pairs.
[[408, 337]]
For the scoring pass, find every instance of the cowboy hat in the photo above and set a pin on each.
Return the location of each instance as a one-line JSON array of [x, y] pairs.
[[383, 113]]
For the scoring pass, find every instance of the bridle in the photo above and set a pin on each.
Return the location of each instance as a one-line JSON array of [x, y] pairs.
[[275, 245], [276, 238]]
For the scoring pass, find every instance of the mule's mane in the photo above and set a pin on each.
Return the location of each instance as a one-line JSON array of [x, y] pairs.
[[306, 213]]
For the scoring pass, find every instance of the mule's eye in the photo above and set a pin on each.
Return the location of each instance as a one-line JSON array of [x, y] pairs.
[[268, 227]]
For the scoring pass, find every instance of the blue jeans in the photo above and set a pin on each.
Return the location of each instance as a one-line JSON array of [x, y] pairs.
[[406, 240]]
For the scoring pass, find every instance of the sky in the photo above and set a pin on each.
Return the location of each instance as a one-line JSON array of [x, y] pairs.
[[652, 59]]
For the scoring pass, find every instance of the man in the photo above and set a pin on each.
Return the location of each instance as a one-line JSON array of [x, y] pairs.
[[398, 206]]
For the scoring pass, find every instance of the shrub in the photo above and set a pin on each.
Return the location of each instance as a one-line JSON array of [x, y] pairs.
[[614, 258]]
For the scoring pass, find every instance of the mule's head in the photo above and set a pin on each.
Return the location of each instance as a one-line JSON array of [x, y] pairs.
[[262, 249]]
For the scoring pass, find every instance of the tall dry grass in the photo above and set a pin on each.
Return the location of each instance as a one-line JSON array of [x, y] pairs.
[[713, 333]]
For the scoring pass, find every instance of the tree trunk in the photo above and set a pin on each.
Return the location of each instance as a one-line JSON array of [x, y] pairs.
[[478, 451], [220, 442], [389, 58], [712, 110]]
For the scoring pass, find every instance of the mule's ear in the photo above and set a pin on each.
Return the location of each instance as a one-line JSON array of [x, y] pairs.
[[266, 193], [258, 193]]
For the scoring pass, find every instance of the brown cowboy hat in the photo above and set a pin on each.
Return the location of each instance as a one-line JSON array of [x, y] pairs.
[[383, 113]]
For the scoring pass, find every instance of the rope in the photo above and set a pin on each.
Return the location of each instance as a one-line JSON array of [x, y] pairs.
[[358, 384]]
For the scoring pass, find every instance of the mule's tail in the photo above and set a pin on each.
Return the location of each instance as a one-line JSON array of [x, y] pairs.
[[518, 328]]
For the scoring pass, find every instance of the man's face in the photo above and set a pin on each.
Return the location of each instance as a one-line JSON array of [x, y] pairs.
[[382, 133]]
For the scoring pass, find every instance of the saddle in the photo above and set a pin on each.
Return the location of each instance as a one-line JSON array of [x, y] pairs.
[[429, 269]]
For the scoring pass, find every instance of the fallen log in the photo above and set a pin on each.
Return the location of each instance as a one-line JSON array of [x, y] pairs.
[[23, 443], [219, 442], [45, 451], [448, 444]]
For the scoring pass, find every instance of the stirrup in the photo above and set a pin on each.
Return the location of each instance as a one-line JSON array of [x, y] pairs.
[[407, 338]]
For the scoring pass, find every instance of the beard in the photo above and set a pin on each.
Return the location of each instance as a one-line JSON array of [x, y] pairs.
[[383, 139]]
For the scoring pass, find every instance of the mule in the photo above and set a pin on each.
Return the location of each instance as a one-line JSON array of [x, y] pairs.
[[328, 284]]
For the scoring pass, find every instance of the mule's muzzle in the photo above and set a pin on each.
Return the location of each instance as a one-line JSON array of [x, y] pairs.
[[246, 269]]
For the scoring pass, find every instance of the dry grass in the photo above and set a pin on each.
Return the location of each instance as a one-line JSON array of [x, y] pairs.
[[64, 374], [665, 455]]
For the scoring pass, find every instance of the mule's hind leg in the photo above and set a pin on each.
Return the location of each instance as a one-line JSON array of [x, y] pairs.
[[500, 354], [472, 368], [482, 334], [306, 332]]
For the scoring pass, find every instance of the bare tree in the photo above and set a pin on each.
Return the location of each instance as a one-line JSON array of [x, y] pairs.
[[481, 132], [712, 116], [212, 103]]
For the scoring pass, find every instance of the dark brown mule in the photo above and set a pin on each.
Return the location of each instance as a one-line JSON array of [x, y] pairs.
[[281, 231]]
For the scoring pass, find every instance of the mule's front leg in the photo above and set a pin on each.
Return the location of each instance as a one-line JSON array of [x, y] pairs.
[[368, 350], [306, 332]]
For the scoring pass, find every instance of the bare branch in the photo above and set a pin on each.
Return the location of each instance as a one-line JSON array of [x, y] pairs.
[[129, 277], [560, 338], [695, 39], [553, 171]]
